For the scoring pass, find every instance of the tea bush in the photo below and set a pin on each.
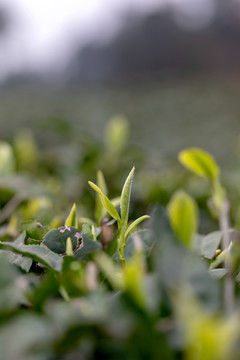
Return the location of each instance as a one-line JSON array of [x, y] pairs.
[[84, 274]]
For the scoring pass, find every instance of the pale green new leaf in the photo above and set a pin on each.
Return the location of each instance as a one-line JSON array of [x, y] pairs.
[[101, 183], [116, 134], [135, 223], [115, 202], [103, 187], [125, 197], [7, 160], [69, 247], [183, 215], [72, 219], [200, 162], [106, 202]]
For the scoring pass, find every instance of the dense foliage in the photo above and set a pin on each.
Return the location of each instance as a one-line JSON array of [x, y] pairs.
[[84, 274]]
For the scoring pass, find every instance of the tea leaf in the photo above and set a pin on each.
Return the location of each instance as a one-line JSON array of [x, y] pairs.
[[34, 229], [117, 133], [135, 223], [125, 197], [7, 160], [56, 239], [87, 230], [183, 215], [36, 252], [200, 162], [69, 248], [210, 244], [72, 219], [88, 246], [103, 187], [106, 202]]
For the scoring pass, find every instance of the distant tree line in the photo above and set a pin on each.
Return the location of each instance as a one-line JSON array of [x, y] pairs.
[[157, 44]]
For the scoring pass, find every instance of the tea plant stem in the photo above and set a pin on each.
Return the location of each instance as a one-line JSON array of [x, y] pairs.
[[122, 247], [228, 281]]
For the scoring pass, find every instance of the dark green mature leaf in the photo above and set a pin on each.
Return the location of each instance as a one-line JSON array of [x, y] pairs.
[[87, 246], [36, 252], [56, 239], [11, 289], [22, 261]]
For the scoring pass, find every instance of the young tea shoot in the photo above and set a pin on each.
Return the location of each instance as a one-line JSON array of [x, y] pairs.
[[122, 221]]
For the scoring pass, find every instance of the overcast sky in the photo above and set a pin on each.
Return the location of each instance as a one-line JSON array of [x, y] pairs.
[[47, 29]]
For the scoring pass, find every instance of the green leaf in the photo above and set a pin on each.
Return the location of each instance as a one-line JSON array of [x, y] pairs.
[[87, 246], [133, 279], [135, 223], [101, 183], [106, 202], [12, 290], [183, 215], [23, 262], [210, 244], [219, 259], [103, 187], [26, 151], [36, 252], [7, 160], [217, 274], [87, 230], [34, 229], [69, 249], [200, 162], [115, 202], [56, 239], [117, 133], [125, 197], [72, 219]]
